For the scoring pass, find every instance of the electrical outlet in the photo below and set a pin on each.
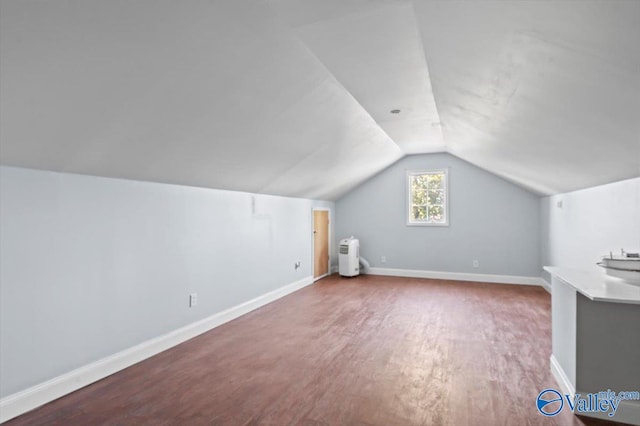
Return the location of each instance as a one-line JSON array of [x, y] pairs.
[[193, 299], [383, 259], [476, 264]]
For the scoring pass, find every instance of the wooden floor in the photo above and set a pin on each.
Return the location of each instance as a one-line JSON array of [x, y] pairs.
[[360, 351]]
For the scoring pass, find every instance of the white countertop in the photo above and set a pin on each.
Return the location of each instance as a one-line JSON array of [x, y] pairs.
[[596, 285]]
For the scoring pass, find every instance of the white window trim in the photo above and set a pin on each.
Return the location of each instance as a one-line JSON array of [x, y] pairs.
[[410, 173]]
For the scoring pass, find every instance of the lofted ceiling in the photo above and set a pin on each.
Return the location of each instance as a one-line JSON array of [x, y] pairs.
[[293, 97]]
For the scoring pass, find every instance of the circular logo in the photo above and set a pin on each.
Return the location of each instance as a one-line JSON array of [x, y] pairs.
[[549, 402]]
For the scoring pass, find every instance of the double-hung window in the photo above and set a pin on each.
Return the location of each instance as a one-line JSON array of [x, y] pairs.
[[427, 197]]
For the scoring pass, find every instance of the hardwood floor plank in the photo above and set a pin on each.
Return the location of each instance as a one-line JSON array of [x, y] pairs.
[[361, 351]]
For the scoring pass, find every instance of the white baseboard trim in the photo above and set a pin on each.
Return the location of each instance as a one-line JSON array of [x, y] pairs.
[[458, 276], [561, 378], [18, 403], [545, 284]]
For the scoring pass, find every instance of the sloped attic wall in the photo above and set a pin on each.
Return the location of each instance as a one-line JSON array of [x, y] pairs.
[[543, 93], [214, 94], [293, 97]]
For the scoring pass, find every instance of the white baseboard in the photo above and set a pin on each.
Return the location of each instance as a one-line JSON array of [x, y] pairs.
[[561, 378], [18, 403], [628, 411], [545, 284], [458, 276]]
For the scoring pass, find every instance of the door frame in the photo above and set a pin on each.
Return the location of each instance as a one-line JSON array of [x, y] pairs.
[[329, 240]]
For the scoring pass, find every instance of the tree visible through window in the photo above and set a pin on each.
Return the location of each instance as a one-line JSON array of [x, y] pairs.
[[427, 193]]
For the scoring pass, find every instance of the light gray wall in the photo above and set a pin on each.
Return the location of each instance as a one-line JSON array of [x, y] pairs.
[[91, 266], [563, 320], [589, 224], [491, 220]]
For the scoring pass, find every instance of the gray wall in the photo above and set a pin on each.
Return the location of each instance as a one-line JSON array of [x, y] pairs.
[[605, 331], [491, 220], [590, 223], [91, 266]]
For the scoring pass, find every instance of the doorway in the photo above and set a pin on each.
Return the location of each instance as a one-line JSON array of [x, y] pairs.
[[320, 243]]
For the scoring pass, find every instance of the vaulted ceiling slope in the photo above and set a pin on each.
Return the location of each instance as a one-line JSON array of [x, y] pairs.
[[218, 94], [544, 93], [293, 97]]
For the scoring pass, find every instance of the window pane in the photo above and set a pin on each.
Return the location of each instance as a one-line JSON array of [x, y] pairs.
[[419, 181], [436, 213], [419, 213], [419, 197], [436, 196], [436, 181]]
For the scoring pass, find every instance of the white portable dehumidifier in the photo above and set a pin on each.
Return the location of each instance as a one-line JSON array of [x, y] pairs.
[[349, 257]]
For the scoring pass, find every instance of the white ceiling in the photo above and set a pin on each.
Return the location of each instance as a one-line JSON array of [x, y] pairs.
[[377, 55], [293, 97], [545, 93]]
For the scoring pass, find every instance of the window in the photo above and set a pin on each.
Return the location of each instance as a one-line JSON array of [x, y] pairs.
[[427, 198]]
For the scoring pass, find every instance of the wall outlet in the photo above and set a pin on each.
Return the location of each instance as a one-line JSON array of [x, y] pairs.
[[193, 299], [297, 265], [383, 259], [476, 264]]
